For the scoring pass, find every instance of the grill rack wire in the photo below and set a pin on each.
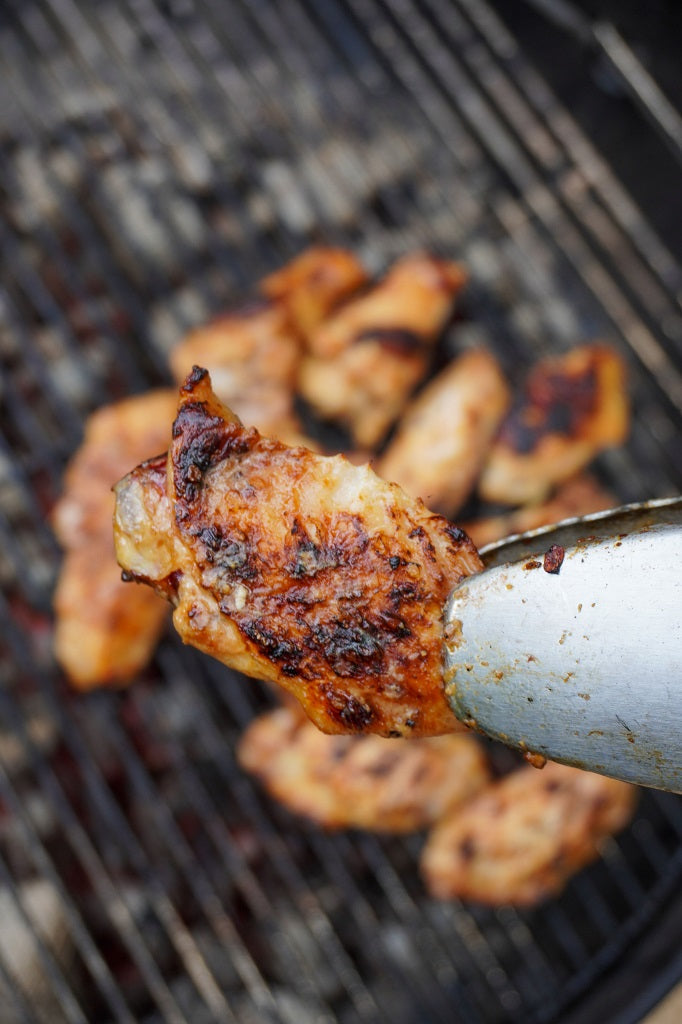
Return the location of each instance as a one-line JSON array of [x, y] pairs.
[[158, 158]]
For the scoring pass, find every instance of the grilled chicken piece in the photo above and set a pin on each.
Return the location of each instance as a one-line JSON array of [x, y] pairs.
[[445, 434], [314, 284], [253, 354], [361, 781], [105, 632], [573, 407], [297, 568], [577, 497], [522, 838], [369, 356]]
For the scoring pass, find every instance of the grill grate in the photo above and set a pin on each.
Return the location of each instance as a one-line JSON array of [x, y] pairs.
[[158, 157]]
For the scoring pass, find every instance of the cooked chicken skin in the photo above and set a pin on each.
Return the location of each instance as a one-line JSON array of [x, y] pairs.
[[314, 284], [445, 434], [522, 838], [361, 781], [297, 568], [105, 632], [372, 353], [253, 354], [573, 407], [577, 497]]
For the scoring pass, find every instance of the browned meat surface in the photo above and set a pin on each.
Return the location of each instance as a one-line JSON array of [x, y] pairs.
[[361, 781], [105, 631], [314, 284], [369, 356], [577, 497], [253, 355], [521, 839], [297, 568], [573, 407], [253, 352], [446, 432]]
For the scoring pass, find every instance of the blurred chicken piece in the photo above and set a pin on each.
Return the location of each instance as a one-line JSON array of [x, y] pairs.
[[444, 436], [369, 356], [297, 568], [577, 497], [105, 632], [361, 781], [253, 353], [522, 838], [573, 406], [312, 285]]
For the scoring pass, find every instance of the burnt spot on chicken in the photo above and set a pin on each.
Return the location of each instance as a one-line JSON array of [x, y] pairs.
[[204, 441], [553, 403], [353, 715]]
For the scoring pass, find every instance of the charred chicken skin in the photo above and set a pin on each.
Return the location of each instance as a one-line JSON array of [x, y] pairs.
[[361, 781], [521, 839], [573, 407], [297, 568], [104, 633]]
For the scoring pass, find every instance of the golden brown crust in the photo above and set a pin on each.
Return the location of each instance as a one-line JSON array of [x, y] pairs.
[[444, 436], [577, 497], [368, 358], [253, 354], [314, 284], [104, 633], [298, 568], [361, 781], [573, 406], [521, 839]]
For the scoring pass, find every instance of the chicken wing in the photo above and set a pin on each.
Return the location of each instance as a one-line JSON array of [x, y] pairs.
[[297, 568], [368, 357], [253, 352], [314, 284], [444, 436], [105, 633], [521, 839], [573, 407], [361, 781], [577, 497]]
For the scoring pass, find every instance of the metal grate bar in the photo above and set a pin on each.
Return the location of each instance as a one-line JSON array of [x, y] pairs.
[[559, 123], [464, 95], [326, 853], [317, 920], [658, 302], [91, 955]]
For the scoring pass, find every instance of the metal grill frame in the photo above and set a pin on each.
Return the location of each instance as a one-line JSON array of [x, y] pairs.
[[510, 165]]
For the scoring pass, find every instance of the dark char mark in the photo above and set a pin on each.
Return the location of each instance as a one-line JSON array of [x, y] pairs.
[[204, 442], [393, 339]]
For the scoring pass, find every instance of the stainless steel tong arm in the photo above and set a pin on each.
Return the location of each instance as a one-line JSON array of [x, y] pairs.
[[569, 644]]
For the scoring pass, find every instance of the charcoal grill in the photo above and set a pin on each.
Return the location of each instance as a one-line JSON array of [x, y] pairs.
[[159, 156]]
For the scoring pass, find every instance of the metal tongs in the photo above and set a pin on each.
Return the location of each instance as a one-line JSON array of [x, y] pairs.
[[568, 645]]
